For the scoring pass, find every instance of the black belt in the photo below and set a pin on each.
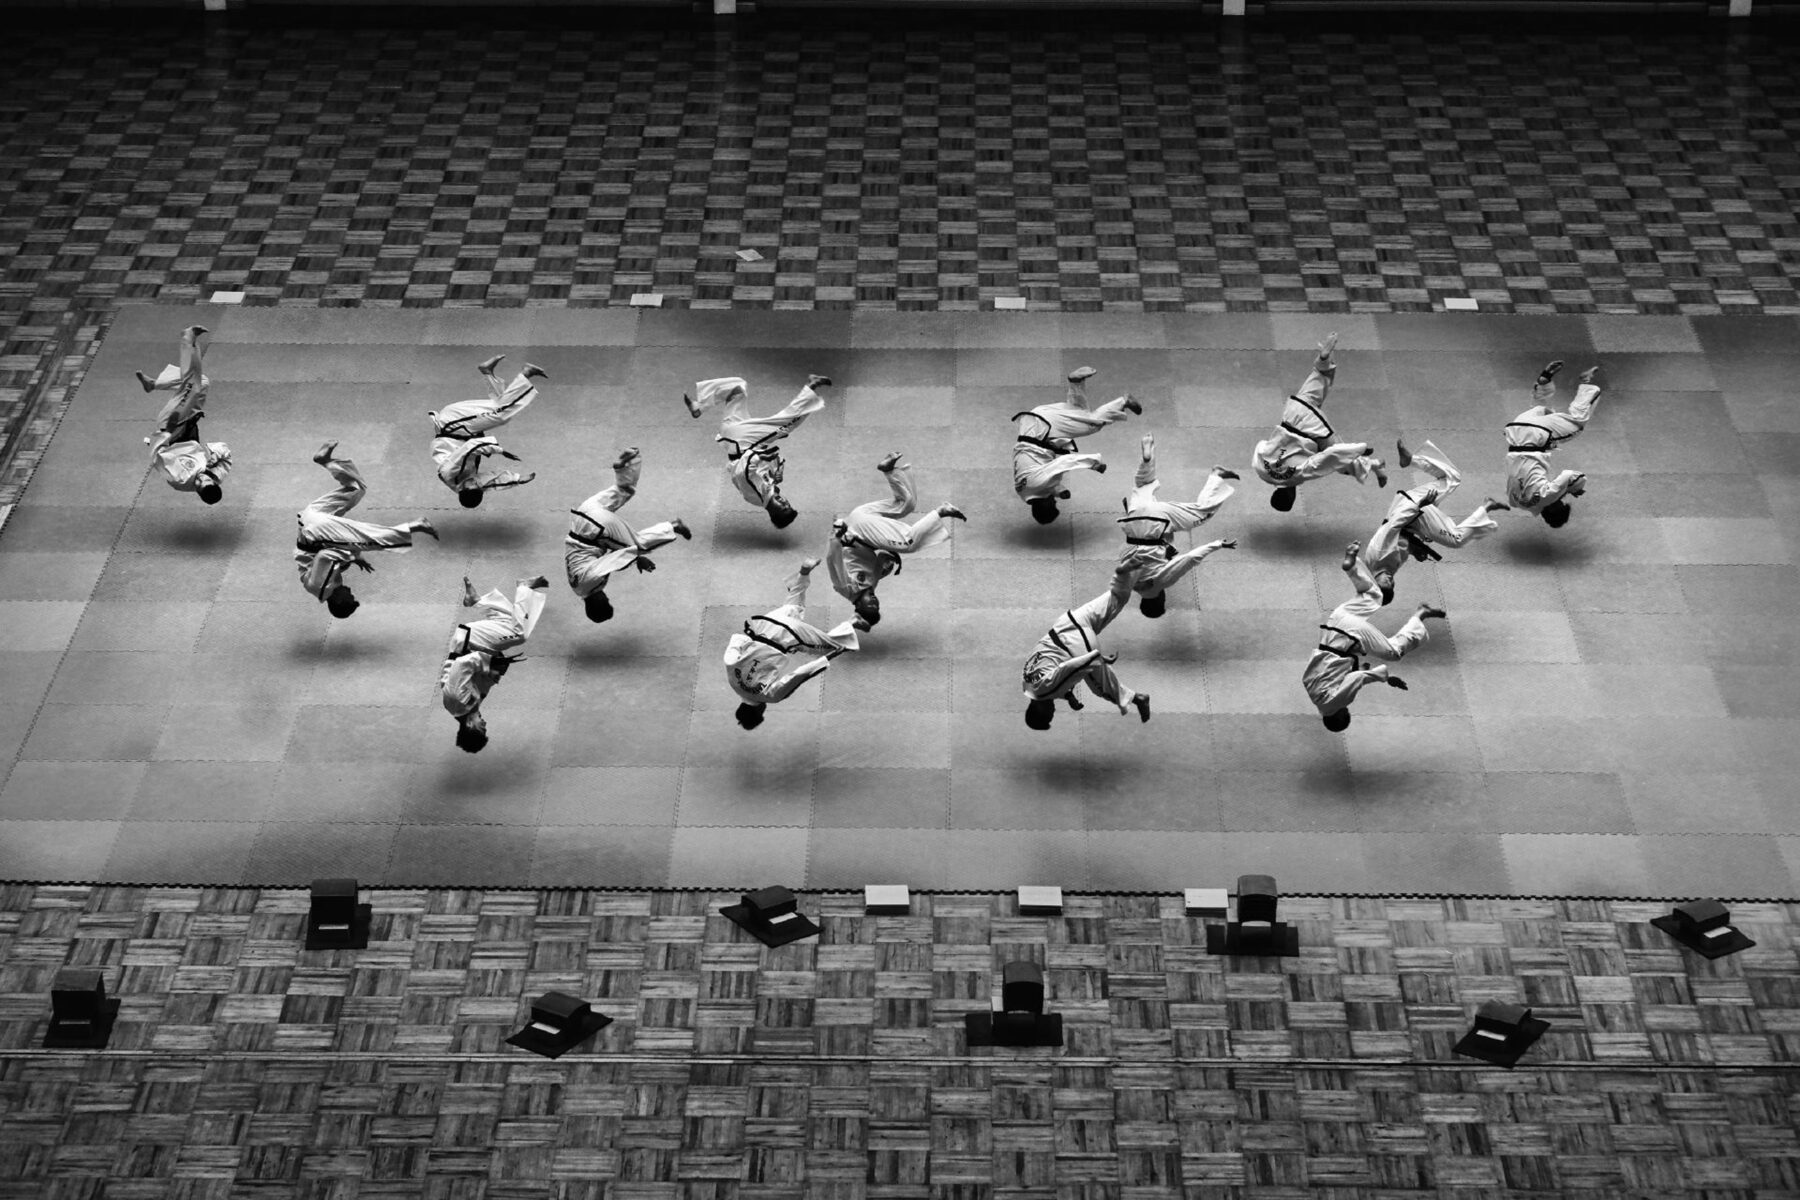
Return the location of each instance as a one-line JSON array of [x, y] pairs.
[[1061, 645], [1052, 447], [1134, 541], [595, 542], [768, 641], [1349, 654], [1416, 547], [738, 449], [1314, 438], [850, 541], [1550, 438]]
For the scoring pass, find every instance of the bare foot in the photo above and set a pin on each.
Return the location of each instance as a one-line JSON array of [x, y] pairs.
[[1549, 371], [1142, 703], [468, 596], [1497, 505], [533, 371], [626, 457], [1325, 349], [818, 381], [325, 453], [1402, 455], [1133, 405], [1147, 447], [681, 529], [1082, 374], [1432, 612], [1350, 553], [807, 565], [148, 383], [952, 512], [486, 366], [888, 463], [1587, 376], [1225, 472], [426, 527]]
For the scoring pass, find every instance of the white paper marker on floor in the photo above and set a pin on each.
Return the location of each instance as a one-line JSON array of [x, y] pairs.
[[1459, 304], [749, 256], [646, 300], [1009, 302], [228, 297]]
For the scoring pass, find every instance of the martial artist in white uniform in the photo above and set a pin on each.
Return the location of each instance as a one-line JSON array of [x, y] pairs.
[[1150, 527], [1070, 655], [329, 541], [1335, 673], [1302, 449], [601, 542], [476, 658], [1044, 449], [1414, 518], [865, 547], [189, 464], [1534, 434], [757, 468], [756, 660], [462, 446], [188, 381]]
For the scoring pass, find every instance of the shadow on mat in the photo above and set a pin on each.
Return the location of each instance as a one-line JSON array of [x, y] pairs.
[[1548, 550], [347, 649], [1310, 542], [754, 537], [492, 533], [202, 538], [1026, 535]]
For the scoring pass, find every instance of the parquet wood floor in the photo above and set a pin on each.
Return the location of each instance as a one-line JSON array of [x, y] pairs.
[[244, 1065], [1127, 164]]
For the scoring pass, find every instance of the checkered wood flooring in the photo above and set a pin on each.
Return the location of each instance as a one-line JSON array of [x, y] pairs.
[[1139, 164], [244, 1065]]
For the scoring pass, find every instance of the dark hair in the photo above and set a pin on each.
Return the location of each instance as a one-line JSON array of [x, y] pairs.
[[470, 497], [1043, 509], [499, 664], [1556, 514], [599, 608], [1154, 606], [868, 607], [1038, 714], [1282, 499], [781, 513], [471, 739], [212, 493], [750, 715], [1338, 721], [1385, 581], [342, 602]]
